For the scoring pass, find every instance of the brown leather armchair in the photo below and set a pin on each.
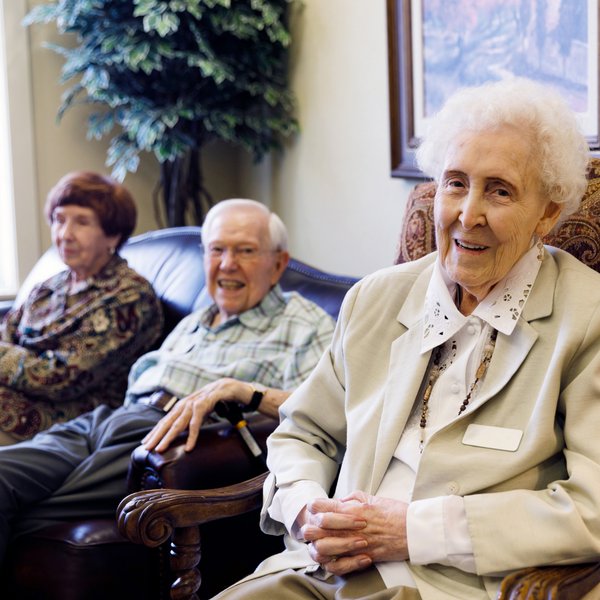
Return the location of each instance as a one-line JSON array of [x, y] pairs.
[[156, 517]]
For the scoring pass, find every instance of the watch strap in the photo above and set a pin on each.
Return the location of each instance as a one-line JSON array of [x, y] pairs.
[[257, 396]]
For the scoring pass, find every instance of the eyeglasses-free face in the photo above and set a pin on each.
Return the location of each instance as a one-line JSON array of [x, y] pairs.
[[80, 240], [488, 207]]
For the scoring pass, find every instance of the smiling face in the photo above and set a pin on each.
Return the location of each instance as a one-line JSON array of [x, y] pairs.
[[241, 266], [80, 240], [488, 206]]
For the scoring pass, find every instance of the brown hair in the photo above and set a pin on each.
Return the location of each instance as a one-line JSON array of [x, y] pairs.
[[111, 201]]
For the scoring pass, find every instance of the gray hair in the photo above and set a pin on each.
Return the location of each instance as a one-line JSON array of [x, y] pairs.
[[277, 230], [560, 149]]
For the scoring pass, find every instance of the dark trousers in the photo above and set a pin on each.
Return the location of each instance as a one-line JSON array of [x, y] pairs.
[[72, 470]]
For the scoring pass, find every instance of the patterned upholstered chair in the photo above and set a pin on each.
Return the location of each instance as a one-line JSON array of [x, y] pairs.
[[157, 516]]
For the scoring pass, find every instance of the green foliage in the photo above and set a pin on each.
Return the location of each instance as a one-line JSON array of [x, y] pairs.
[[169, 76]]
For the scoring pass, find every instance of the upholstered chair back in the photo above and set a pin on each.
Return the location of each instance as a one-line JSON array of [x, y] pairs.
[[579, 234]]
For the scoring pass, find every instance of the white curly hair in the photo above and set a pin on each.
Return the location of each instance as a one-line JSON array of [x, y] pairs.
[[561, 149]]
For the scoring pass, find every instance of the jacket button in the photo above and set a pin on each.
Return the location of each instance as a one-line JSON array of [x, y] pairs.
[[453, 487]]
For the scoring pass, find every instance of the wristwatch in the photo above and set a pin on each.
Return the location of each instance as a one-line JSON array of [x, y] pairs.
[[258, 393]]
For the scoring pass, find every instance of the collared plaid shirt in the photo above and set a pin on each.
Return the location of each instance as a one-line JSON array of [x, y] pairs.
[[276, 343]]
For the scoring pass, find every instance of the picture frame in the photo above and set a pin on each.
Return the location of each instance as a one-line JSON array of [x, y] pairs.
[[437, 46]]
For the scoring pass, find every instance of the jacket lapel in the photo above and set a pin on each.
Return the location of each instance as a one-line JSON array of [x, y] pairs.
[[511, 351], [509, 354], [406, 370]]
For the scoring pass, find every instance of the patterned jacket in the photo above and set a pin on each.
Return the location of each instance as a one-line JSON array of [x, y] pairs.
[[64, 354]]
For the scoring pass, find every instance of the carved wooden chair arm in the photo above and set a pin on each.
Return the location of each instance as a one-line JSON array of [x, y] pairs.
[[152, 517], [149, 517], [550, 583]]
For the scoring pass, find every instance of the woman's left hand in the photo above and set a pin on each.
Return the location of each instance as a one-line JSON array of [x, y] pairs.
[[351, 533]]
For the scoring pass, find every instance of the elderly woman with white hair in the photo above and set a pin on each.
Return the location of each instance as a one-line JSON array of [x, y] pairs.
[[448, 437]]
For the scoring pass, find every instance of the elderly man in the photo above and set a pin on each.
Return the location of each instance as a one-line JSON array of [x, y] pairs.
[[253, 345]]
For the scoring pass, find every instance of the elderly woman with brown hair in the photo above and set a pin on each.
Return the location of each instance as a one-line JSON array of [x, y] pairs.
[[449, 435], [69, 346]]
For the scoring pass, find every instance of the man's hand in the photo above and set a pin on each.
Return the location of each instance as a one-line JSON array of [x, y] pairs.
[[189, 413], [351, 533]]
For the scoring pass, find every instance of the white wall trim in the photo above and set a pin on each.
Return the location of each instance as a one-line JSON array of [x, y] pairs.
[[20, 100]]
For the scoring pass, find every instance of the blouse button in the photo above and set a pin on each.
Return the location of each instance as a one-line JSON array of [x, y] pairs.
[[455, 388], [471, 330]]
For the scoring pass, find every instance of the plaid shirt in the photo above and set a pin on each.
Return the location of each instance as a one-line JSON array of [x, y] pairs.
[[276, 343]]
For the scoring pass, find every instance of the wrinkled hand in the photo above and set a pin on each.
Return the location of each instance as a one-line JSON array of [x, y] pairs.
[[189, 413], [351, 533]]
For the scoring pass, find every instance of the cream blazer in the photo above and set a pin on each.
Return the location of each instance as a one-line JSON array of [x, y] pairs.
[[536, 505]]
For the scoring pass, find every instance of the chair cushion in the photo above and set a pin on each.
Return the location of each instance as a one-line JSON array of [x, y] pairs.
[[579, 234], [50, 563]]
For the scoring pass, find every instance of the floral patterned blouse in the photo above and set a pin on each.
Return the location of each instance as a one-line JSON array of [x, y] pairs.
[[63, 354]]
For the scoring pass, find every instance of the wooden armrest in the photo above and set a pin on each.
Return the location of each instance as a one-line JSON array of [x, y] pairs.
[[550, 583], [149, 517]]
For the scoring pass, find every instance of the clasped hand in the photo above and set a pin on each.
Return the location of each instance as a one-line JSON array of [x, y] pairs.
[[351, 533], [189, 414]]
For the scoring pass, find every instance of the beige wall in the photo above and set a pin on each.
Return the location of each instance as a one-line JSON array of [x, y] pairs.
[[332, 185]]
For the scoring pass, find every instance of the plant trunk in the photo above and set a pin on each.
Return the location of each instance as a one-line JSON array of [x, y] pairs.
[[184, 199]]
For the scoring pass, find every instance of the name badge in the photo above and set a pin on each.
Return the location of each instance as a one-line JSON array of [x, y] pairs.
[[496, 438]]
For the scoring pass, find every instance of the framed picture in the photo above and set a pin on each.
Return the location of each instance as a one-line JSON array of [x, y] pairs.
[[438, 46]]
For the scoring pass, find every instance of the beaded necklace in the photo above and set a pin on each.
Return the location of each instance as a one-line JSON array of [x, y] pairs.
[[435, 372]]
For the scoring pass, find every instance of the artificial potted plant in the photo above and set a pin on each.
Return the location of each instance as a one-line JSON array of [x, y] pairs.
[[170, 76]]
